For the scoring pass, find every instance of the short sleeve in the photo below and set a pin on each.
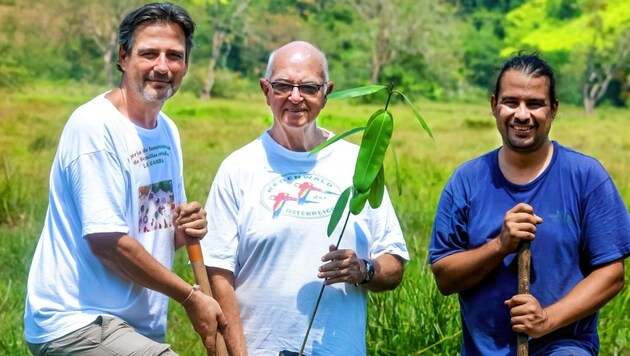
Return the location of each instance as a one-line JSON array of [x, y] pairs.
[[99, 191], [221, 243], [450, 233], [387, 236], [606, 225]]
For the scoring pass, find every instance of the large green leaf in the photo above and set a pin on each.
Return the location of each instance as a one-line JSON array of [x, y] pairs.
[[417, 114], [372, 151], [377, 190], [357, 202], [334, 139], [354, 92], [338, 210], [375, 115]]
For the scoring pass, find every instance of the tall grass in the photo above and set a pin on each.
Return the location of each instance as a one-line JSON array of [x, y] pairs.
[[414, 319]]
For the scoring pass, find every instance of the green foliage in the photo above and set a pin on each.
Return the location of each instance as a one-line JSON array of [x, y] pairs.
[[480, 123], [474, 6], [377, 190], [549, 34], [411, 320], [227, 83], [13, 198], [41, 143], [12, 77], [482, 48], [12, 74], [369, 179], [336, 138], [357, 203], [563, 9], [440, 50], [352, 93], [416, 113], [586, 41], [372, 150], [337, 213]]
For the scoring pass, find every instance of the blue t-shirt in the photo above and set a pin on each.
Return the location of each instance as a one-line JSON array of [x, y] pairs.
[[585, 225]]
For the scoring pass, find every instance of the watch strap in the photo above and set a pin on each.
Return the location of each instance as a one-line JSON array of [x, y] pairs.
[[369, 272]]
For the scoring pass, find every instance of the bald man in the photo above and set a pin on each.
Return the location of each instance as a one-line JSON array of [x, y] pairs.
[[267, 251]]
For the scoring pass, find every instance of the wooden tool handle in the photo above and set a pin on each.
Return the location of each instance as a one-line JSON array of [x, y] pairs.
[[524, 262], [201, 278]]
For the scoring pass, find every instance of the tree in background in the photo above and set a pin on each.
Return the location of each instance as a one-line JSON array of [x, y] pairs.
[[98, 22], [472, 6], [65, 39], [482, 47], [417, 32], [587, 39], [241, 33], [270, 24], [438, 49], [12, 74], [29, 40], [225, 19], [607, 56]]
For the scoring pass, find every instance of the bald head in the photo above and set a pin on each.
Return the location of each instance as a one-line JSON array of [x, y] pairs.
[[297, 52]]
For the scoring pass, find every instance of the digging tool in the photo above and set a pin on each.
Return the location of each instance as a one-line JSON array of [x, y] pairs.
[[524, 261], [201, 278]]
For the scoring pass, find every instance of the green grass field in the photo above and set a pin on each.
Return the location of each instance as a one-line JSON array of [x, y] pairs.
[[413, 319]]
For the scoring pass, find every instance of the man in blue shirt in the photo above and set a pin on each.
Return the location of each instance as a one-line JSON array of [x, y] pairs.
[[530, 189]]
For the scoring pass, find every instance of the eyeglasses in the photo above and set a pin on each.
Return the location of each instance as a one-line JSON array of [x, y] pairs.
[[283, 88]]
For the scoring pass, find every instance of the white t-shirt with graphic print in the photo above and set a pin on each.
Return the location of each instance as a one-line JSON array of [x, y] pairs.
[[268, 212], [108, 175]]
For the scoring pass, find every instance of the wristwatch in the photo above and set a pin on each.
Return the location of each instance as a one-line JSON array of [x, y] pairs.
[[369, 272]]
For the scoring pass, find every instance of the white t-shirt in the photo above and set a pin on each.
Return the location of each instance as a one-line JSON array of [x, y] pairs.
[[268, 212], [108, 175]]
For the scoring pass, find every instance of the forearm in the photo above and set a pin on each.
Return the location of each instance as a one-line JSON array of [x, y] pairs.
[[466, 269], [388, 273], [127, 258], [588, 296], [222, 283]]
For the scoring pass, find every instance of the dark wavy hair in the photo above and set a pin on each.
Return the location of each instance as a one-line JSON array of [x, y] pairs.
[[532, 65], [155, 13]]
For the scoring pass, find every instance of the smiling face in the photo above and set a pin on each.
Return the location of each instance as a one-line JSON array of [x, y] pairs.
[[296, 64], [523, 111], [157, 63]]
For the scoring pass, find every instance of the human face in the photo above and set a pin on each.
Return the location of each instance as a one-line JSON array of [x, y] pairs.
[[523, 111], [157, 63], [295, 108]]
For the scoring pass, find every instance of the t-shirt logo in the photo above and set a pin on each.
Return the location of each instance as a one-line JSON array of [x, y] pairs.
[[300, 195], [156, 206]]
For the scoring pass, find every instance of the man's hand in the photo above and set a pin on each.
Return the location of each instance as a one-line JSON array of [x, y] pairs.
[[527, 316], [519, 224], [190, 218], [207, 318], [343, 267]]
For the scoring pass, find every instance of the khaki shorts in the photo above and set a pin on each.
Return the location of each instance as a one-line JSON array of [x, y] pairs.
[[107, 335]]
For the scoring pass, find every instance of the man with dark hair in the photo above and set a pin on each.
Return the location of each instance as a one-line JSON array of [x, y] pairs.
[[101, 278], [530, 189]]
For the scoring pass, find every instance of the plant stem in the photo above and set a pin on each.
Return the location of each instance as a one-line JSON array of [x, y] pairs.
[[390, 91], [321, 291]]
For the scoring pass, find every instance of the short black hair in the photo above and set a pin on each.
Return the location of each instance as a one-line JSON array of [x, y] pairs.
[[155, 13], [530, 64]]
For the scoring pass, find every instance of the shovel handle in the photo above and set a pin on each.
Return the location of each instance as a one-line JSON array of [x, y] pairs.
[[524, 262], [201, 278]]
